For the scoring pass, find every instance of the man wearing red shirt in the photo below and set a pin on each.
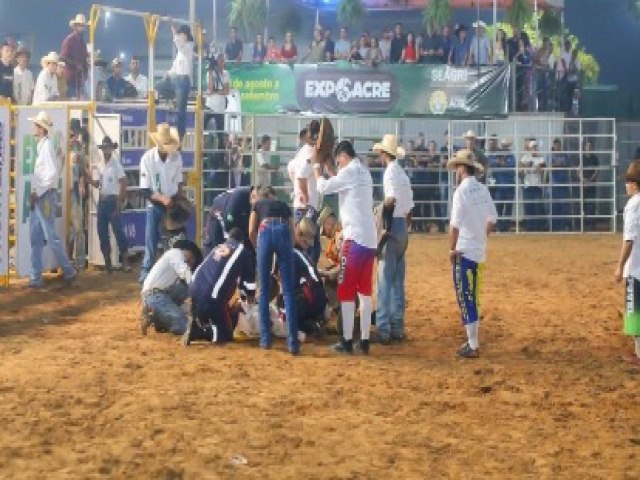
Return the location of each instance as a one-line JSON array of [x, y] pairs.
[[74, 53]]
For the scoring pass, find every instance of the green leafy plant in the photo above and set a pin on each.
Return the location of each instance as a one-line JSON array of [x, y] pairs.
[[250, 15], [519, 13], [436, 14], [351, 12], [291, 20]]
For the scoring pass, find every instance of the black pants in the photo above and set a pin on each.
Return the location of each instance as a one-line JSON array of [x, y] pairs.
[[210, 313]]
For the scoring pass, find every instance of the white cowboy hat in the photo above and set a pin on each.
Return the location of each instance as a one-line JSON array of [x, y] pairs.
[[505, 141], [51, 57], [166, 137], [479, 24], [470, 134], [78, 20], [42, 119], [389, 144]]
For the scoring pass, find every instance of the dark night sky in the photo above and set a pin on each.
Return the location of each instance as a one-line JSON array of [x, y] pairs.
[[604, 27]]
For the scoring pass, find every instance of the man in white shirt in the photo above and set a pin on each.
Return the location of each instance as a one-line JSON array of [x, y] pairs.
[[112, 183], [160, 180], [44, 202], [181, 72], [23, 78], [532, 163], [167, 287], [354, 187], [135, 78], [398, 202], [385, 44], [264, 167], [473, 217], [480, 50], [46, 89], [342, 49]]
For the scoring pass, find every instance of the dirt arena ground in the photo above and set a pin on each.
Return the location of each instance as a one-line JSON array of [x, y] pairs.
[[83, 395]]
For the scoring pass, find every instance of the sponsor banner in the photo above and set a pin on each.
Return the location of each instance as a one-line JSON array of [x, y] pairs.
[[134, 221], [130, 158], [170, 116], [129, 117], [386, 90], [26, 152], [5, 170]]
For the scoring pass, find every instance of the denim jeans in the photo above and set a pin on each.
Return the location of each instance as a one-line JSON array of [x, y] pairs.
[[182, 87], [108, 214], [274, 237], [533, 207], [560, 209], [166, 308], [42, 227], [504, 205], [151, 238], [391, 273]]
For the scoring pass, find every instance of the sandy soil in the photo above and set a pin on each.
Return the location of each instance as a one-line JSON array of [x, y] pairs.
[[83, 395]]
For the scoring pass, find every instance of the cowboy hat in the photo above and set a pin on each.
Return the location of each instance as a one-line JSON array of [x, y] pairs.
[[479, 24], [470, 134], [178, 213], [22, 50], [505, 142], [78, 20], [633, 172], [462, 157], [324, 214], [51, 57], [389, 144], [107, 143], [42, 119], [166, 138], [308, 231]]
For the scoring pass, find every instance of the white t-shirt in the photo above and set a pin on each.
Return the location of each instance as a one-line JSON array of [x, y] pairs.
[[631, 233], [183, 63], [46, 171], [167, 271], [300, 167], [264, 173], [110, 175], [216, 101], [532, 177], [158, 176], [471, 210], [397, 185], [46, 87], [140, 83], [354, 187], [23, 85]]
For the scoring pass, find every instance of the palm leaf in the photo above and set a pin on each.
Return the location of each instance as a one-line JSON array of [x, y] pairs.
[[436, 13], [351, 12], [519, 13]]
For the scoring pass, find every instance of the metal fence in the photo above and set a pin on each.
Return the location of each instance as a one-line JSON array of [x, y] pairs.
[[573, 190]]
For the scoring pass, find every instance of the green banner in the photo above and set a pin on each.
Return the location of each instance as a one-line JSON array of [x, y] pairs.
[[386, 90]]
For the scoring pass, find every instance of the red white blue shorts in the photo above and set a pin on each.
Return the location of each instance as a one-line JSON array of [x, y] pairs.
[[356, 271]]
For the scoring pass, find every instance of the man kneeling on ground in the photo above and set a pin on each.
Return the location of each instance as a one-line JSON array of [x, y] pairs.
[[166, 288], [213, 285]]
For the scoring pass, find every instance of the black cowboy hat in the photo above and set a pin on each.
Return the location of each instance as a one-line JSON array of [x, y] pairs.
[[178, 213], [108, 143]]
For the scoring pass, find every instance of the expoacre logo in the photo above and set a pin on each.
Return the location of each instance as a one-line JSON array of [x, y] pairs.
[[340, 90]]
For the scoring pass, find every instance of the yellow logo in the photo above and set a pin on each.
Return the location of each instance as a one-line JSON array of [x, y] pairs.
[[438, 102]]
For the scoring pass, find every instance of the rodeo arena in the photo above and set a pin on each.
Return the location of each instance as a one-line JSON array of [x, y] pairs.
[[368, 256]]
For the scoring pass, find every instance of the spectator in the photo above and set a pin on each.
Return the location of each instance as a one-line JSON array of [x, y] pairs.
[[79, 191], [46, 88], [181, 72], [273, 52], [560, 191], [289, 52], [480, 47], [329, 46], [523, 65], [385, 44], [471, 144], [116, 84], [512, 44], [500, 53], [447, 44], [432, 49], [398, 44], [135, 78], [572, 77], [218, 84], [503, 165], [375, 53], [264, 162], [74, 53], [99, 78], [234, 47], [6, 71], [315, 53], [410, 52], [459, 55], [532, 164], [342, 48], [543, 60], [62, 82], [354, 56], [589, 177], [259, 50], [418, 43], [363, 47], [23, 84]]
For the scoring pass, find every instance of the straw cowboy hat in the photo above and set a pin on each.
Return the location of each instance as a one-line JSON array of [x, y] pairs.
[[633, 172], [464, 157], [505, 142], [324, 214], [307, 230], [42, 119], [51, 57], [470, 134], [389, 144], [166, 138], [78, 20]]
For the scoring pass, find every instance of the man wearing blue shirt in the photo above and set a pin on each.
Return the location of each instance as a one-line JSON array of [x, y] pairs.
[[502, 165]]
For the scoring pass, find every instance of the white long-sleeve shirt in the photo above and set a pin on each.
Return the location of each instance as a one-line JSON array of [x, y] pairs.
[[168, 270], [46, 171], [183, 63], [23, 85], [46, 87], [397, 185], [354, 187]]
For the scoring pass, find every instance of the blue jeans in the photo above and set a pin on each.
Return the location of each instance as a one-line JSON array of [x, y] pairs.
[[182, 87], [108, 214], [560, 209], [274, 237], [167, 312], [42, 228], [391, 273], [444, 201], [151, 238], [311, 214], [504, 205], [533, 207]]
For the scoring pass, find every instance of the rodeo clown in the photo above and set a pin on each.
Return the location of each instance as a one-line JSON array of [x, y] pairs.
[[473, 218], [213, 284]]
